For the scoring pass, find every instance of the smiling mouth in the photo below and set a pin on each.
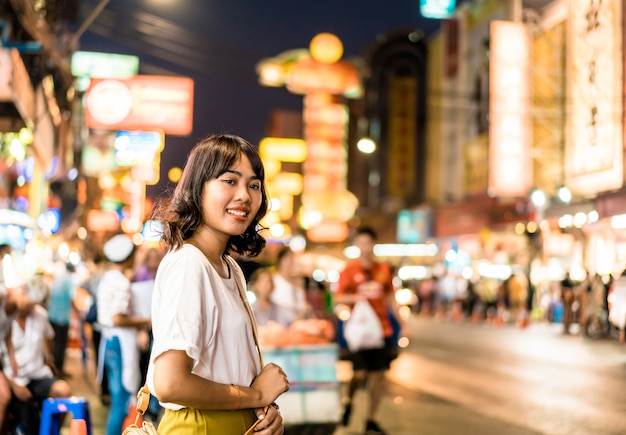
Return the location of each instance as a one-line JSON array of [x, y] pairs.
[[238, 213]]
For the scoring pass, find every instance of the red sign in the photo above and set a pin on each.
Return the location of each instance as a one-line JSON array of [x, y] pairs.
[[141, 103]]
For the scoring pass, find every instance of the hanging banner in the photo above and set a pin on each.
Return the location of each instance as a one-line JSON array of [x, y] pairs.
[[594, 147]]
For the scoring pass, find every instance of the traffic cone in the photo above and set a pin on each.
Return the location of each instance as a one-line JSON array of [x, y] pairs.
[[133, 417], [78, 427]]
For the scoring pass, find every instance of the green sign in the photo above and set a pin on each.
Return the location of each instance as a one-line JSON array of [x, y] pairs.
[[104, 65]]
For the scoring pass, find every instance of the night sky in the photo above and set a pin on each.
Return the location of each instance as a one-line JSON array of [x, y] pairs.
[[219, 42]]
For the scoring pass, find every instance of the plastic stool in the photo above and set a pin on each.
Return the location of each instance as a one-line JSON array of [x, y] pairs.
[[53, 410]]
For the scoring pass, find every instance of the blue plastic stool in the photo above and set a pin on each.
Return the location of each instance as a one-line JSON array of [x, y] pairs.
[[53, 409]]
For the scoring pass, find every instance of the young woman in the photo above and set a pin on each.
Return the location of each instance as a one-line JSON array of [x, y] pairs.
[[204, 367]]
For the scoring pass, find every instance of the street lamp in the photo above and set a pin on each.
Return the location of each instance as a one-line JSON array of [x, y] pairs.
[[538, 197], [366, 145], [564, 194]]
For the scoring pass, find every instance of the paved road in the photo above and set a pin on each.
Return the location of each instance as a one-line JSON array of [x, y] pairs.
[[484, 380], [476, 379]]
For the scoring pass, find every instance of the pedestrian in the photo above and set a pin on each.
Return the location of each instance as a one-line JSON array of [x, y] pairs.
[[96, 269], [10, 301], [617, 307], [264, 309], [142, 288], [365, 278], [289, 292], [204, 367], [121, 330], [567, 298], [146, 269], [35, 379], [60, 306]]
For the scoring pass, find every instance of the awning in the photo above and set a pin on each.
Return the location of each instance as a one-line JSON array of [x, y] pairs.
[[14, 217], [17, 95]]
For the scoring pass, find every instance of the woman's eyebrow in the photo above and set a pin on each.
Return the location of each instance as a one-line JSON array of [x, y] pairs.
[[239, 174]]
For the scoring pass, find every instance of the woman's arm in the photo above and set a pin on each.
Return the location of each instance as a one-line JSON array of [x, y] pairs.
[[132, 321], [175, 383]]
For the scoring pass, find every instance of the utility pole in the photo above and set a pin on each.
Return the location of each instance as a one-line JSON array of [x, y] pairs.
[[37, 26], [94, 14]]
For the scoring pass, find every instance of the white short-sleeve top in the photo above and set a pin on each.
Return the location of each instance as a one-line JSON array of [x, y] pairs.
[[28, 344], [197, 311]]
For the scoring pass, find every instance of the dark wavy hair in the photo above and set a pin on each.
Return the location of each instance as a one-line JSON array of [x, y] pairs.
[[181, 213]]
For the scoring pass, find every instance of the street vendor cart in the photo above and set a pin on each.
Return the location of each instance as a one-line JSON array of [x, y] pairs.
[[313, 403]]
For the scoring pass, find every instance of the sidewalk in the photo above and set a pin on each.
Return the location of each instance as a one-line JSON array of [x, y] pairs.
[[83, 383]]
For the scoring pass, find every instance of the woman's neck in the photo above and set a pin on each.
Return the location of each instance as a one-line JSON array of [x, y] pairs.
[[214, 253]]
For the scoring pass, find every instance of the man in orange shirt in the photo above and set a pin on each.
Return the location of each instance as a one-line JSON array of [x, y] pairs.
[[366, 278]]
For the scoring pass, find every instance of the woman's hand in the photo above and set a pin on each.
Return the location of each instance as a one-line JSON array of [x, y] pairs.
[[271, 422], [271, 383]]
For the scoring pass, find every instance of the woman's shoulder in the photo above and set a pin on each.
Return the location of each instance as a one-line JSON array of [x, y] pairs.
[[183, 256]]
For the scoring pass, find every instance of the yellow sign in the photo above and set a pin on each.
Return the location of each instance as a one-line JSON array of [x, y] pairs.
[[282, 149]]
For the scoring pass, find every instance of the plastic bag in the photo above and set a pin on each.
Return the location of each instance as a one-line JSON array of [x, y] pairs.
[[363, 329]]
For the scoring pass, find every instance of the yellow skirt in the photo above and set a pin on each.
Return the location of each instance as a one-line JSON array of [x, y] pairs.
[[190, 421]]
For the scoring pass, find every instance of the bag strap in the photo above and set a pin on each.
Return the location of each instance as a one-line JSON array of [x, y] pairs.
[[252, 323], [143, 395], [143, 400], [252, 428]]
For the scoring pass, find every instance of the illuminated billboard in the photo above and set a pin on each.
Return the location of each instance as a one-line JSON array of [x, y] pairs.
[[510, 138], [141, 103], [594, 148]]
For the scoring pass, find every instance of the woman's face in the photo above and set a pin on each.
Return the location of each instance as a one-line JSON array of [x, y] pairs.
[[231, 201], [264, 286]]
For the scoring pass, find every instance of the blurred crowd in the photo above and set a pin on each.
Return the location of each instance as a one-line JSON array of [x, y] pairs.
[[55, 309], [69, 305], [285, 306], [580, 305], [65, 305]]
